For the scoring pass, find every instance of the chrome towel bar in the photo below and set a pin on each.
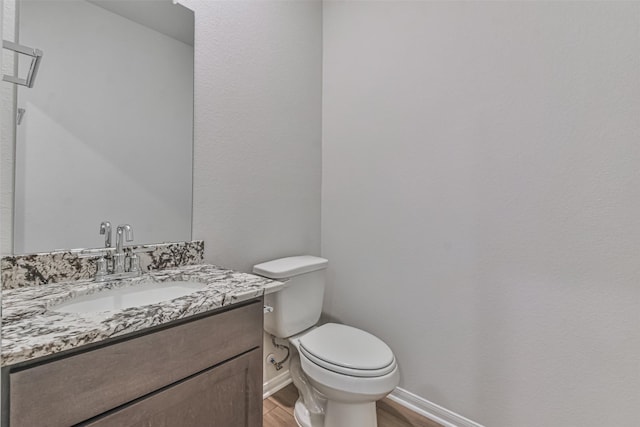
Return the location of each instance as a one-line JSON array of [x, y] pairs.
[[36, 54]]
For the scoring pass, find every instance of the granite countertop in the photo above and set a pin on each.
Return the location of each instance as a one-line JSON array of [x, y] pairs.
[[30, 330]]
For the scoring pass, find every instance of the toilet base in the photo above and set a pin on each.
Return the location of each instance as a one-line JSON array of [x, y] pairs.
[[340, 414], [304, 418], [301, 414]]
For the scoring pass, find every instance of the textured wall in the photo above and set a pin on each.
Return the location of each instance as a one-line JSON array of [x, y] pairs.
[[481, 201], [257, 160]]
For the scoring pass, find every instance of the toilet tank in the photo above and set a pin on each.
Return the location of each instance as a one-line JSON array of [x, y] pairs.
[[298, 305]]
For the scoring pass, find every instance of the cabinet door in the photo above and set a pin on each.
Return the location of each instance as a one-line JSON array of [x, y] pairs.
[[228, 395]]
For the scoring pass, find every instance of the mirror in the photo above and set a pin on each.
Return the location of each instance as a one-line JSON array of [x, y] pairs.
[[107, 129]]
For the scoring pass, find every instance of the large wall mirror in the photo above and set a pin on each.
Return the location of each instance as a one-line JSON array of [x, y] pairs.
[[107, 129]]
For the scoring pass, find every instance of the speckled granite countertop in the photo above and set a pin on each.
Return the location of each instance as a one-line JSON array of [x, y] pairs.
[[30, 330]]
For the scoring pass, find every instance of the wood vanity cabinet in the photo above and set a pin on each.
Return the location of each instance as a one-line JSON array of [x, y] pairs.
[[198, 372]]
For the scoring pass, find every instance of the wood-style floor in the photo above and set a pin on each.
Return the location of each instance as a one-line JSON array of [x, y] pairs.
[[277, 411]]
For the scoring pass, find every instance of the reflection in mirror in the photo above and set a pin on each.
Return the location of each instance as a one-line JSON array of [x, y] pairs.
[[107, 129]]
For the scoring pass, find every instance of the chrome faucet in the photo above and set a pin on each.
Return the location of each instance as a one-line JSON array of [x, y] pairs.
[[124, 231], [119, 262]]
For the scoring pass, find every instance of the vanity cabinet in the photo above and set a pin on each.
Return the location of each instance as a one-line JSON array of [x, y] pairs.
[[198, 372]]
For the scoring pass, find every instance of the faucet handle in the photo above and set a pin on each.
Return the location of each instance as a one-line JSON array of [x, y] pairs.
[[105, 228], [102, 269], [134, 264], [102, 265]]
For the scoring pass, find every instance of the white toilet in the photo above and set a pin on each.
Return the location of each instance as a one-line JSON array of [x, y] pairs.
[[340, 371]]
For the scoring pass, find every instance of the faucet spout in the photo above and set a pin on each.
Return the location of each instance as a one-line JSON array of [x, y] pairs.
[[123, 231]]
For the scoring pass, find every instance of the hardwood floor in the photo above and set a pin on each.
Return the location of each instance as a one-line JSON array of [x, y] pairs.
[[277, 411]]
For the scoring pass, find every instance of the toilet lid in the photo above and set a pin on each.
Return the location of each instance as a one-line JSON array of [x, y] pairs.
[[347, 350]]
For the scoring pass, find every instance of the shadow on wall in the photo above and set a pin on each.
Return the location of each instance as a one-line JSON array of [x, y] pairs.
[[327, 318]]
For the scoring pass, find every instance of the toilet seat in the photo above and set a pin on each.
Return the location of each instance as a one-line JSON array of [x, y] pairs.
[[342, 387], [348, 351]]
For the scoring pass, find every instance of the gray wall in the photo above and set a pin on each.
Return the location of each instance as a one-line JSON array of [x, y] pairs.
[[481, 201], [257, 147], [257, 161]]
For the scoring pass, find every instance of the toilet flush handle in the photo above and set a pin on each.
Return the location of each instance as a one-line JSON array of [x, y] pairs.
[[267, 309]]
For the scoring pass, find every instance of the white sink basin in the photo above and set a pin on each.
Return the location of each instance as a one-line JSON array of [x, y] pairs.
[[131, 296]]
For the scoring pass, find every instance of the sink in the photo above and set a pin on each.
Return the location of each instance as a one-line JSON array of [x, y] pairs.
[[131, 296]]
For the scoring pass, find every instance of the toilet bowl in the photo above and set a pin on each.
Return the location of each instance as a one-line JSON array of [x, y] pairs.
[[340, 371]]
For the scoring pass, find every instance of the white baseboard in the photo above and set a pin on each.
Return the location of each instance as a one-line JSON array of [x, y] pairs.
[[399, 395], [276, 384], [430, 410]]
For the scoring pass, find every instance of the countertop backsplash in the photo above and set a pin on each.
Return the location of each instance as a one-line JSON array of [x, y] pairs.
[[63, 266]]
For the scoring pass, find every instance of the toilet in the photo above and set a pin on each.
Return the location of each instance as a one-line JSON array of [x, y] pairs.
[[339, 371]]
